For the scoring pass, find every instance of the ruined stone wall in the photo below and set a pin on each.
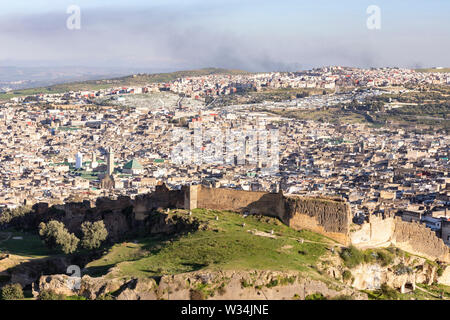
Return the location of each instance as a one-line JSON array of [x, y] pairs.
[[160, 199], [329, 217], [325, 216], [263, 203], [116, 214], [378, 232], [418, 239], [412, 237]]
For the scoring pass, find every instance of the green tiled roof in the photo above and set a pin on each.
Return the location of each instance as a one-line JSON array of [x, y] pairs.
[[133, 164]]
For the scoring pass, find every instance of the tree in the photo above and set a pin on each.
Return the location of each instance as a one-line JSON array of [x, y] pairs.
[[8, 215], [56, 235], [12, 292], [93, 234]]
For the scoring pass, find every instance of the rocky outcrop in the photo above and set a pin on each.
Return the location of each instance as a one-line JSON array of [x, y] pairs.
[[222, 285], [88, 287], [445, 277], [139, 289], [59, 284], [29, 271], [164, 223], [92, 288], [402, 273]]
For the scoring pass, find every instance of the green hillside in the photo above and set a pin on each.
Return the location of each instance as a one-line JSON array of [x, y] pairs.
[[219, 244]]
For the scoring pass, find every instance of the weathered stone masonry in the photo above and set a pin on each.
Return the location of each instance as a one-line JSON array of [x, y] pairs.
[[329, 217], [412, 237]]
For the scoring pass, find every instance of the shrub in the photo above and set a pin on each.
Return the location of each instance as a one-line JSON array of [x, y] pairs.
[[12, 292], [370, 256], [222, 289], [315, 296], [352, 257], [288, 280], [76, 298], [388, 292], [385, 257], [197, 295], [346, 275], [50, 295], [107, 296], [401, 269], [245, 284], [272, 283], [343, 297]]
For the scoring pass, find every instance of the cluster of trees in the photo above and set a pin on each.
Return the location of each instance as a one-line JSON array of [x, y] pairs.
[[56, 236], [370, 105], [437, 110], [412, 97], [6, 216]]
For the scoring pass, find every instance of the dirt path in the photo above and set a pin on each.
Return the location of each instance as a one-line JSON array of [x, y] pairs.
[[330, 243]]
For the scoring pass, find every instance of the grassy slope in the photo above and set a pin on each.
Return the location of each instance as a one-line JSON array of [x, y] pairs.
[[333, 115], [30, 246], [226, 244]]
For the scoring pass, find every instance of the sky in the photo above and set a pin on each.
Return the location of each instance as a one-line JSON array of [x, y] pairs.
[[253, 35]]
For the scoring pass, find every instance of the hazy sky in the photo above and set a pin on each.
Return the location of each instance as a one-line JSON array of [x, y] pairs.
[[255, 35]]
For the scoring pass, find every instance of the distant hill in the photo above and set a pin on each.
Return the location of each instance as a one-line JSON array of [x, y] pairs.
[[167, 77], [432, 70], [131, 80]]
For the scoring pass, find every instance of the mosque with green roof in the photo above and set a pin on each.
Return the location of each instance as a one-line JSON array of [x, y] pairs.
[[133, 167]]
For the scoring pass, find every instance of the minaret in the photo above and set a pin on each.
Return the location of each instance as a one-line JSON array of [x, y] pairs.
[[79, 160], [246, 150], [110, 162], [94, 163]]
